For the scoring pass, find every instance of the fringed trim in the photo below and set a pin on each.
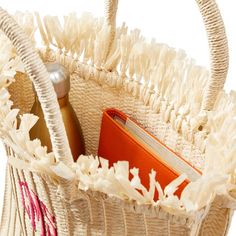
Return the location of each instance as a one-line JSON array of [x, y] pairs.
[[179, 119], [157, 74], [221, 148], [162, 77]]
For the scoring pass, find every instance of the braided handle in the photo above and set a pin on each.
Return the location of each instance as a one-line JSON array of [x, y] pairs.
[[38, 74], [217, 43], [110, 16]]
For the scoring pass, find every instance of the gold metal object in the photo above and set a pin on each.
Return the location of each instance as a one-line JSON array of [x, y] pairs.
[[61, 82]]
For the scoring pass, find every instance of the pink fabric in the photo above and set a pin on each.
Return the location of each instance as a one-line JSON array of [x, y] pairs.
[[37, 212]]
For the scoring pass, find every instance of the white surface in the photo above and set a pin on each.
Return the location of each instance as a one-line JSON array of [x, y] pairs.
[[177, 23]]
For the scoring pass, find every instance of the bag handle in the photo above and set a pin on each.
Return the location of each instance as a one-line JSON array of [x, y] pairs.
[[38, 74], [218, 45]]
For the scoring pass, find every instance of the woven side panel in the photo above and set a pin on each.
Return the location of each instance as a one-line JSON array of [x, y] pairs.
[[6, 205], [162, 227], [114, 215], [97, 224], [135, 224], [10, 224], [26, 223], [217, 221], [178, 230], [156, 226], [79, 217]]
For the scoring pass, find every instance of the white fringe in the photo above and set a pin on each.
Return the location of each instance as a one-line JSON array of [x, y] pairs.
[[164, 78], [156, 73]]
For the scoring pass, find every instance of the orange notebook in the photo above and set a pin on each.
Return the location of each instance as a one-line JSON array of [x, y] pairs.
[[123, 139]]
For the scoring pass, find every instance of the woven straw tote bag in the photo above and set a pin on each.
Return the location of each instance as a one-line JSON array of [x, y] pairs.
[[176, 100]]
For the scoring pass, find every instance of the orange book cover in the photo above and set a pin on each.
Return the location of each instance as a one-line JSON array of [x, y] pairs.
[[123, 139]]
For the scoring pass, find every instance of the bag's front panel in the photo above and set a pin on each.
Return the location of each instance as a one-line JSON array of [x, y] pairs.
[[48, 208], [117, 218]]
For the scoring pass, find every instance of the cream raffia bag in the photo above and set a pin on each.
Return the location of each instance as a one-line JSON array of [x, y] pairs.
[[177, 101]]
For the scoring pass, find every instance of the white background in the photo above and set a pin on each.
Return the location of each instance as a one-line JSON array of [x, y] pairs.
[[177, 23]]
